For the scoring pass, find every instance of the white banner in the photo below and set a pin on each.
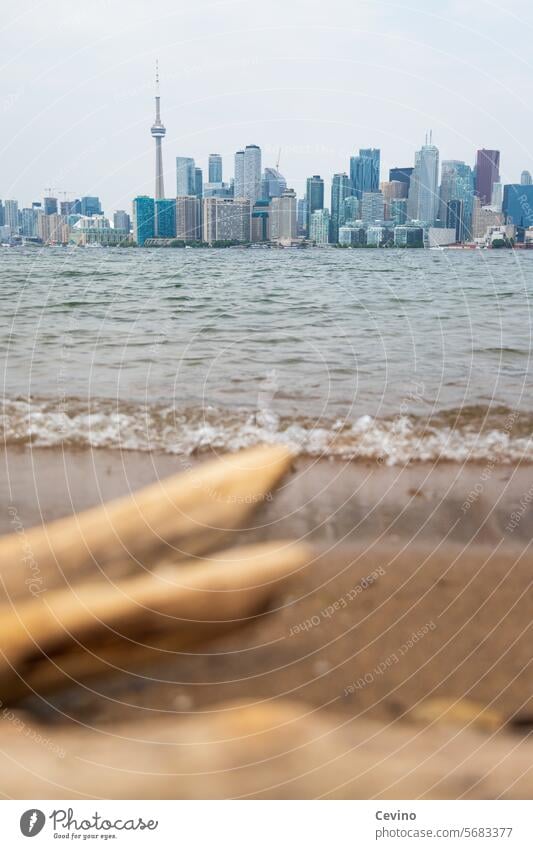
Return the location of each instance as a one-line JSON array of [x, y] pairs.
[[266, 824]]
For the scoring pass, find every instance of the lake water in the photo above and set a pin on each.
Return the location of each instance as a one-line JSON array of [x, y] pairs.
[[391, 354]]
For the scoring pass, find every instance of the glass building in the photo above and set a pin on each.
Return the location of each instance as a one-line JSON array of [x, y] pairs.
[[341, 188], [518, 205], [89, 206], [423, 202], [215, 168], [364, 171], [165, 213], [185, 176], [457, 184], [144, 218], [315, 198], [487, 173]]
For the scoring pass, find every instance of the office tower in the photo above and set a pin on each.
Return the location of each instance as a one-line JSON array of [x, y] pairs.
[[364, 171], [50, 205], [352, 208], [319, 226], [517, 205], [261, 221], [238, 184], [165, 218], [401, 175], [457, 183], [252, 172], [487, 173], [215, 168], [158, 132], [372, 207], [526, 179], [315, 198], [198, 182], [189, 218], [53, 229], [497, 196], [70, 207], [301, 216], [398, 210], [29, 217], [2, 214], [455, 220], [90, 205], [273, 184], [423, 202], [391, 190], [143, 219], [218, 190], [341, 188], [227, 220], [185, 176], [283, 217], [121, 220], [11, 216]]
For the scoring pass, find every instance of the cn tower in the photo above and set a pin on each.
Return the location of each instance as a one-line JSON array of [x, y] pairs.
[[158, 132]]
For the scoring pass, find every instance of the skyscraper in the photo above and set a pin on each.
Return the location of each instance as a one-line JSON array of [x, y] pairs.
[[252, 172], [401, 175], [372, 207], [283, 217], [165, 218], [315, 198], [517, 204], [158, 133], [341, 188], [11, 215], [143, 219], [364, 171], [198, 182], [423, 203], [189, 218], [457, 184], [487, 173], [185, 176], [273, 184], [238, 184], [215, 168], [526, 179], [319, 226], [90, 205], [50, 205], [121, 220]]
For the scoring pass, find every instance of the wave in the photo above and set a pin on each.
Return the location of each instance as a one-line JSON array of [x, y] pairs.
[[470, 434]]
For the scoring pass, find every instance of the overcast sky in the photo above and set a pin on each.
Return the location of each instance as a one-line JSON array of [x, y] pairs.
[[317, 79]]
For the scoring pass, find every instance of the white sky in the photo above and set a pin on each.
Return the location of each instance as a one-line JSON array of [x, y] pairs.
[[318, 79]]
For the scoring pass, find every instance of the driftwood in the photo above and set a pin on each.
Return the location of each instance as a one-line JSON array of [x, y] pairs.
[[66, 636], [179, 517]]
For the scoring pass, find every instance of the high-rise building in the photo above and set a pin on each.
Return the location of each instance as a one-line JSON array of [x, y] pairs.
[[455, 220], [301, 216], [518, 205], [50, 205], [189, 218], [238, 184], [185, 176], [165, 218], [90, 205], [352, 236], [398, 211], [215, 168], [121, 220], [423, 203], [352, 208], [143, 219], [227, 220], [29, 218], [487, 173], [497, 196], [261, 221], [198, 183], [364, 171], [341, 188], [526, 179], [252, 172], [2, 214], [391, 190], [315, 198], [372, 207], [11, 216], [283, 217], [218, 190], [319, 227], [158, 132], [273, 184], [484, 217], [401, 175], [457, 183]]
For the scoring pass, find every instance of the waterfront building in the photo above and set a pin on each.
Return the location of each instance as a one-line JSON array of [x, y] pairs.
[[407, 236], [301, 216], [165, 218], [226, 220], [97, 230], [283, 218], [401, 175], [319, 227], [215, 168], [273, 184], [372, 207], [29, 220], [456, 220], [198, 182], [11, 216], [518, 205], [352, 236], [261, 221], [53, 229], [379, 236], [314, 198], [185, 176], [188, 218], [457, 184], [90, 205], [238, 183], [121, 220], [2, 212], [487, 173], [352, 208], [423, 201], [441, 236], [158, 133], [143, 219], [252, 172], [341, 188], [364, 171], [484, 217]]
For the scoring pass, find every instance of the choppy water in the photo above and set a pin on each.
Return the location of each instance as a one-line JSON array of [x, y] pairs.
[[392, 354]]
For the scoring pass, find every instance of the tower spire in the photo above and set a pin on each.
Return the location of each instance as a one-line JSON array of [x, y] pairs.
[[158, 132]]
